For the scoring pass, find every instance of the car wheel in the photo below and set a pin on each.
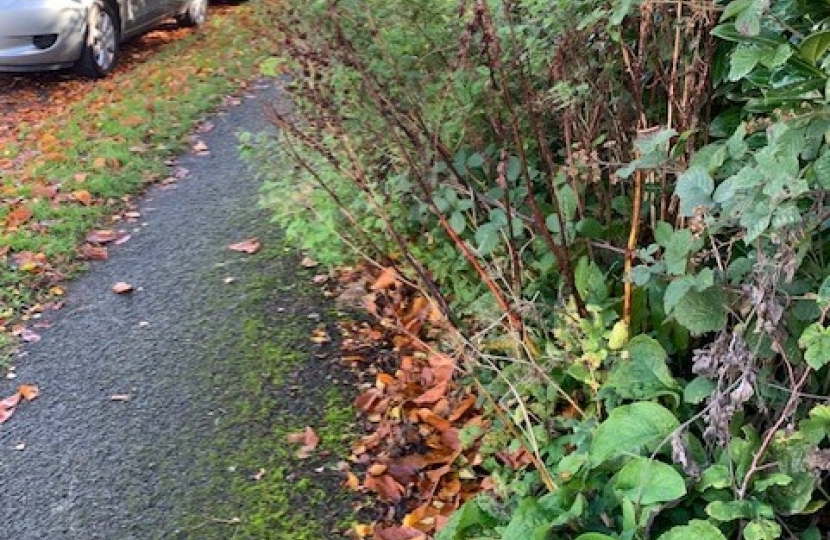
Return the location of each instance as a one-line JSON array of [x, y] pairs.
[[100, 52], [195, 14]]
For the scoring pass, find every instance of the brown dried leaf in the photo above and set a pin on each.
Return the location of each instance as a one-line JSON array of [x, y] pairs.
[[249, 246], [122, 288]]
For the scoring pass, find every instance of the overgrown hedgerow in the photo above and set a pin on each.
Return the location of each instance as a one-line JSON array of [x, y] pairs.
[[621, 206]]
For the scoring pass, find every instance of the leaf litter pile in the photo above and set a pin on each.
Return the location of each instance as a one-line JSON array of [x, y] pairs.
[[414, 409]]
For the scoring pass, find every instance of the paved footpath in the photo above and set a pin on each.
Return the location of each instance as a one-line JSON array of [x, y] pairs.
[[94, 467]]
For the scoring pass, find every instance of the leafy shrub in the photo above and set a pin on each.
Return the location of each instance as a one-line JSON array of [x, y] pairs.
[[641, 287]]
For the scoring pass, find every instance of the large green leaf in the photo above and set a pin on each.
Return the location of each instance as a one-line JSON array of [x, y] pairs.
[[647, 482], [630, 429], [701, 312], [762, 529], [644, 374], [696, 530]]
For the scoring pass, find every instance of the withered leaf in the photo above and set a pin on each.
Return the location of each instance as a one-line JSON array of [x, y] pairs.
[[307, 438], [432, 395], [122, 288], [249, 246]]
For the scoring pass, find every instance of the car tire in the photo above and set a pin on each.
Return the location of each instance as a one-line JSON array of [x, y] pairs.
[[195, 14], [103, 36]]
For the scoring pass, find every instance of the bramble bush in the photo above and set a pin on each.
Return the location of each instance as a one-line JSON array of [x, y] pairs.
[[620, 206]]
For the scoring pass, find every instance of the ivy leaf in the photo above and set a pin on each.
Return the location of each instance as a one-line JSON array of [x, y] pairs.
[[649, 482], [815, 340], [697, 529], [701, 312], [630, 429]]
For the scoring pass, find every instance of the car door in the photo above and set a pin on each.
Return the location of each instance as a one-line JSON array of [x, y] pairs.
[[141, 13]]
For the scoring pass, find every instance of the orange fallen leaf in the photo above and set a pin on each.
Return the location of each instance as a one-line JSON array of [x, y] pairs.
[[352, 481], [18, 217], [432, 395], [83, 196], [122, 288], [249, 246], [28, 392], [386, 279]]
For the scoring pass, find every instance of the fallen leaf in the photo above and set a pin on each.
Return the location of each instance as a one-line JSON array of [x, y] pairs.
[[352, 481], [432, 395], [29, 336], [308, 262], [249, 246], [28, 392], [307, 438], [103, 236], [94, 253], [257, 476], [83, 196], [122, 288], [386, 279], [18, 217], [201, 148]]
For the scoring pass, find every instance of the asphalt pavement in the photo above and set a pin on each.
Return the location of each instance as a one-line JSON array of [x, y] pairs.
[[110, 450]]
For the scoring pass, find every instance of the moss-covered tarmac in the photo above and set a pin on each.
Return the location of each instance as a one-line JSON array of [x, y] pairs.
[[275, 381]]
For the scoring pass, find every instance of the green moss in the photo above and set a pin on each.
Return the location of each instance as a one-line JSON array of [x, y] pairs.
[[276, 382]]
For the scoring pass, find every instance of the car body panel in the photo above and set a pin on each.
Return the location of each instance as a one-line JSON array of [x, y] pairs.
[[21, 20]]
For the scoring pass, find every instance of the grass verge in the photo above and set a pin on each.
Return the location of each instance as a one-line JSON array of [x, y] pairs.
[[78, 167]]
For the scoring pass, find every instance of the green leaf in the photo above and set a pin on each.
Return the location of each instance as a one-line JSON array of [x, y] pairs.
[[734, 8], [762, 529], [458, 222], [647, 482], [631, 428], [697, 529], [701, 312], [594, 536], [814, 46], [815, 340], [743, 61], [715, 477], [698, 390], [675, 292], [694, 188], [645, 374], [774, 479], [525, 521], [468, 520], [731, 510], [475, 161], [663, 233], [487, 236], [590, 281], [824, 292]]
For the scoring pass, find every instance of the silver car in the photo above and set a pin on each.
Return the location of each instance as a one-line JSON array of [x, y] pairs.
[[38, 35]]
